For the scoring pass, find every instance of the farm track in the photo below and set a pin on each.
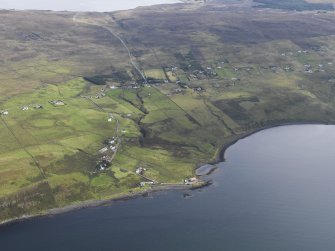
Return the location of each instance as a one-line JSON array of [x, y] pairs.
[[24, 148], [232, 132]]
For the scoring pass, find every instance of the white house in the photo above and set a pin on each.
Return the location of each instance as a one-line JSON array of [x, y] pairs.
[[103, 150]]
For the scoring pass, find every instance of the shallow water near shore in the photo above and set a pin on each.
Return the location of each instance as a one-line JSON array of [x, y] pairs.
[[274, 192], [79, 5]]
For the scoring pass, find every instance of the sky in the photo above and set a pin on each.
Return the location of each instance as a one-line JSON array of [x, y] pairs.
[[79, 5]]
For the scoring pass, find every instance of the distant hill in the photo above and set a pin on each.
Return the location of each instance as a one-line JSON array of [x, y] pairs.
[[299, 5]]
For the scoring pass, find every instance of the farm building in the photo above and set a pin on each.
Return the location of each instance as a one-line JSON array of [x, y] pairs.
[[57, 102]]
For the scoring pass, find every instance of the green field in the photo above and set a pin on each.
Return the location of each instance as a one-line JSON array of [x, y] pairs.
[[66, 94], [54, 150]]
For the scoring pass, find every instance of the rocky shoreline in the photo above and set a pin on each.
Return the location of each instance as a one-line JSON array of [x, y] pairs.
[[97, 203]]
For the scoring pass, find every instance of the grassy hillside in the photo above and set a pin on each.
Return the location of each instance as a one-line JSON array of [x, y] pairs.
[[68, 89]]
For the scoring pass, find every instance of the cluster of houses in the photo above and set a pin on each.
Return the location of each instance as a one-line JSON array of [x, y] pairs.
[[110, 145], [140, 171], [22, 108], [196, 75], [202, 74], [171, 68], [102, 92], [178, 90], [100, 95], [199, 89], [307, 67], [211, 71], [191, 181], [131, 85], [188, 182], [310, 69], [4, 113], [105, 162], [291, 53]]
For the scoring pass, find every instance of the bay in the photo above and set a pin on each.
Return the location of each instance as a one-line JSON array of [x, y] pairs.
[[273, 193]]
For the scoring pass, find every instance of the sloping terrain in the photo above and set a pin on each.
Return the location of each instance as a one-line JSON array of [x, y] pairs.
[[93, 105]]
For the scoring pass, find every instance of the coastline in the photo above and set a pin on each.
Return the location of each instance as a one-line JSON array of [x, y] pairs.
[[220, 157], [121, 197], [103, 202]]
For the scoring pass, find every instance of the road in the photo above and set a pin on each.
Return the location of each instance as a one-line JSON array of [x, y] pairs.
[[131, 57], [132, 61]]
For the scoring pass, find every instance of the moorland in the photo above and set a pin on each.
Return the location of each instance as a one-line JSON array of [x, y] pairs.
[[95, 106]]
